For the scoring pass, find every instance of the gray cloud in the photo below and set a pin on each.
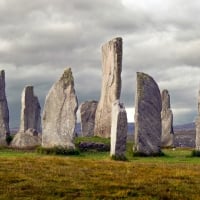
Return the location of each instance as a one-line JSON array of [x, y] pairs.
[[38, 39]]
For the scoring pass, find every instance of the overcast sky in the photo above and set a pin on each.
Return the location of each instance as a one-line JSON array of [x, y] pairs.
[[40, 38]]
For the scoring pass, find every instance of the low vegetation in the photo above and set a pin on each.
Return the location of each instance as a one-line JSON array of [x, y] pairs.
[[94, 175]]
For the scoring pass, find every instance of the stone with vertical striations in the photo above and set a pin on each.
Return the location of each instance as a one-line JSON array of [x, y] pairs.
[[87, 111], [59, 115], [111, 86], [30, 124], [148, 107], [119, 130], [30, 110], [4, 112], [167, 138], [198, 126]]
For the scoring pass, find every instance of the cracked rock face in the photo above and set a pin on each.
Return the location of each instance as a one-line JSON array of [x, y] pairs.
[[167, 138], [30, 111], [118, 130], [198, 126], [4, 112], [59, 115], [87, 111], [148, 107], [111, 86]]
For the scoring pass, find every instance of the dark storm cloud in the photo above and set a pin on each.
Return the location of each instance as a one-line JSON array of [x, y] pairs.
[[38, 39]]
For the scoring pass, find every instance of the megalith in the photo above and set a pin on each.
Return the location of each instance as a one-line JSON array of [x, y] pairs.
[[30, 110], [148, 107], [88, 111], [198, 126], [29, 135], [4, 112], [119, 130], [111, 86], [167, 137], [59, 115]]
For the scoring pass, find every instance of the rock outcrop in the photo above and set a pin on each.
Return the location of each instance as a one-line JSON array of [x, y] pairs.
[[30, 110], [119, 130], [148, 107], [111, 86], [198, 126], [88, 111], [27, 140], [167, 137], [4, 112], [59, 115]]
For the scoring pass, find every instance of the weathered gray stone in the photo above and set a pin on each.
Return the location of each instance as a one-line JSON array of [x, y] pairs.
[[198, 126], [88, 111], [4, 112], [167, 137], [119, 130], [59, 115], [147, 116], [28, 139], [111, 86], [30, 110]]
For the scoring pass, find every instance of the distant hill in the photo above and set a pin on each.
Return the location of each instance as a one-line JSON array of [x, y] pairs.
[[185, 127]]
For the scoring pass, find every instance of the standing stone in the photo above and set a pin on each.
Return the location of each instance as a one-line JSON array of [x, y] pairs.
[[119, 130], [88, 110], [111, 86], [4, 112], [147, 116], [30, 124], [30, 110], [198, 126], [59, 116], [167, 138]]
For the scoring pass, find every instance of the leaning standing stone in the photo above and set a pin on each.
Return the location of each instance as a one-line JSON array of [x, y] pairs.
[[118, 130], [4, 112], [147, 116], [198, 126], [167, 138], [30, 110], [111, 86], [87, 111], [59, 116]]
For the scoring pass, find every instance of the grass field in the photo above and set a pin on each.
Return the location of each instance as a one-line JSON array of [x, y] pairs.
[[93, 175]]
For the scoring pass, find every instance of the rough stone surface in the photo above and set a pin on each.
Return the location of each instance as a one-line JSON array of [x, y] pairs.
[[28, 139], [4, 112], [167, 138], [30, 110], [111, 86], [198, 126], [148, 107], [88, 111], [59, 115], [119, 130]]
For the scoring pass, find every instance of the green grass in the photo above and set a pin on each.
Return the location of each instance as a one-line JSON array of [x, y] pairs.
[[94, 175]]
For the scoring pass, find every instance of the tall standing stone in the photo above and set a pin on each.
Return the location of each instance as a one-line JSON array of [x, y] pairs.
[[198, 126], [148, 107], [30, 110], [111, 86], [167, 138], [59, 115], [119, 130], [87, 111], [4, 112], [30, 125]]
